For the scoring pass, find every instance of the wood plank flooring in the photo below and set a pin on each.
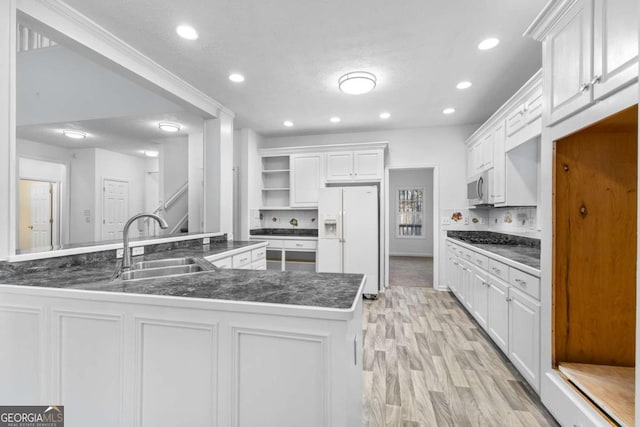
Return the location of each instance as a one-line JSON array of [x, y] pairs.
[[427, 364]]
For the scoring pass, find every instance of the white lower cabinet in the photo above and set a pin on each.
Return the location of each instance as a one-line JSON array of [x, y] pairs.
[[480, 298], [498, 313], [248, 259], [503, 301], [524, 335]]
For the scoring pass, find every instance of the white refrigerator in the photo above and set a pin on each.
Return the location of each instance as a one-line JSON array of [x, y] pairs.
[[348, 232]]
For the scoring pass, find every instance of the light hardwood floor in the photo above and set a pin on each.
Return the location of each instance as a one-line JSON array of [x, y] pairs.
[[411, 271], [427, 364]]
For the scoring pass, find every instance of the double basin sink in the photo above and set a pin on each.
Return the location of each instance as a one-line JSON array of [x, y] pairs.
[[163, 268]]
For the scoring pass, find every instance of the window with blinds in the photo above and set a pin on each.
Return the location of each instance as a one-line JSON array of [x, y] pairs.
[[410, 215]]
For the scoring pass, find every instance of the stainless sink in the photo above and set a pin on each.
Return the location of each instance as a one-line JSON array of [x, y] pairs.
[[171, 270], [170, 262]]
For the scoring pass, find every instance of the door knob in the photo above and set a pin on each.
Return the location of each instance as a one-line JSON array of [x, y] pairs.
[[30, 227]]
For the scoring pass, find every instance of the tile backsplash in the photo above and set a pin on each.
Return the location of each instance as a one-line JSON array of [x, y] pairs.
[[518, 220], [284, 219]]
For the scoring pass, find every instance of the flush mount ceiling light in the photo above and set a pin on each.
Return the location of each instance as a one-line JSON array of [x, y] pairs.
[[449, 110], [489, 43], [74, 134], [149, 153], [463, 85], [385, 115], [236, 78], [357, 82], [187, 32], [288, 123], [169, 127], [334, 119]]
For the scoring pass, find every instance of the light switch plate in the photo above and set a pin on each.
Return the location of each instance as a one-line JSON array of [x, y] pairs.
[[446, 221], [138, 250], [119, 253], [206, 241]]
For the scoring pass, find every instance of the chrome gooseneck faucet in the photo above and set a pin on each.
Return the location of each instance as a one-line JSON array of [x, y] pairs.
[[126, 255]]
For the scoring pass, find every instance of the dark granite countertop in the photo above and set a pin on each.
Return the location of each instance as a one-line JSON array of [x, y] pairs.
[[328, 290], [304, 232], [524, 250]]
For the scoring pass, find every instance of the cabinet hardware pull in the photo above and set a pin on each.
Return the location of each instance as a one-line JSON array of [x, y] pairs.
[[496, 270], [509, 299], [299, 245], [596, 79], [521, 282], [584, 87]]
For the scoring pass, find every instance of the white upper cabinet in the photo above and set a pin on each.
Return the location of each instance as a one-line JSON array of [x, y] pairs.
[[527, 111], [480, 154], [339, 166], [305, 179], [365, 165], [590, 51], [615, 58]]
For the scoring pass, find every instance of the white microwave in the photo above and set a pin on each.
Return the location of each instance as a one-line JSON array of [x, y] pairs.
[[478, 189]]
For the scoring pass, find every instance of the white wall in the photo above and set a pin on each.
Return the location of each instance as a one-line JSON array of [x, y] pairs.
[[112, 165], [411, 179], [439, 146], [7, 121], [82, 196], [247, 162]]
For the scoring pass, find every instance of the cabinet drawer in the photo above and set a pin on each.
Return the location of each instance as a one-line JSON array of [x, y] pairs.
[[258, 254], [271, 243], [465, 254], [223, 263], [499, 269], [525, 282], [242, 260], [259, 265], [301, 244], [481, 261]]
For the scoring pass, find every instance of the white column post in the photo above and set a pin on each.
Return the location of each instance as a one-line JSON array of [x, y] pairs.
[[196, 181]]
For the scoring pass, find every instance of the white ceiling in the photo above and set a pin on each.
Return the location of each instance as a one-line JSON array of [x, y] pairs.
[[292, 53]]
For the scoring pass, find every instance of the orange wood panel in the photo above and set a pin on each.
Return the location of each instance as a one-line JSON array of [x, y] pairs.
[[595, 210]]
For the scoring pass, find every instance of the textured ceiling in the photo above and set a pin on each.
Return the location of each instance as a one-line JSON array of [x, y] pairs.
[[293, 51]]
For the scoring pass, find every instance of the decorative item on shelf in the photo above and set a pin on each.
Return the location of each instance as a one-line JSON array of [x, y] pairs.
[[293, 222], [274, 219], [456, 216], [475, 220]]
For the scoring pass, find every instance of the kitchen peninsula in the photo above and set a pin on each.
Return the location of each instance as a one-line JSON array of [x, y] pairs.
[[215, 347]]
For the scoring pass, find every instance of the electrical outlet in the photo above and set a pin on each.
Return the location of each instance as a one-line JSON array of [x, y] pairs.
[[206, 241], [466, 221], [138, 250], [119, 253], [446, 221]]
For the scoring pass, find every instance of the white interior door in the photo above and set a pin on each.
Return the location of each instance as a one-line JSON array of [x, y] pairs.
[[41, 214], [115, 208]]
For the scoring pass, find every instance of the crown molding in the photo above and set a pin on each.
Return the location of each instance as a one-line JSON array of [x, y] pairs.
[[78, 27], [548, 18]]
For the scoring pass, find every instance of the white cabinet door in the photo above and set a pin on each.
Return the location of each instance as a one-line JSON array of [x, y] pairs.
[[524, 336], [476, 156], [305, 179], [487, 151], [480, 299], [567, 63], [339, 166], [615, 59], [368, 165], [453, 277], [533, 105], [498, 317], [515, 120], [497, 192], [467, 283]]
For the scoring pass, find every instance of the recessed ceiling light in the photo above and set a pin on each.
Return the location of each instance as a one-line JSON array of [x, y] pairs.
[[489, 43], [334, 119], [74, 134], [449, 110], [288, 123], [237, 78], [357, 82], [385, 115], [187, 32], [463, 85], [169, 127], [149, 153]]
